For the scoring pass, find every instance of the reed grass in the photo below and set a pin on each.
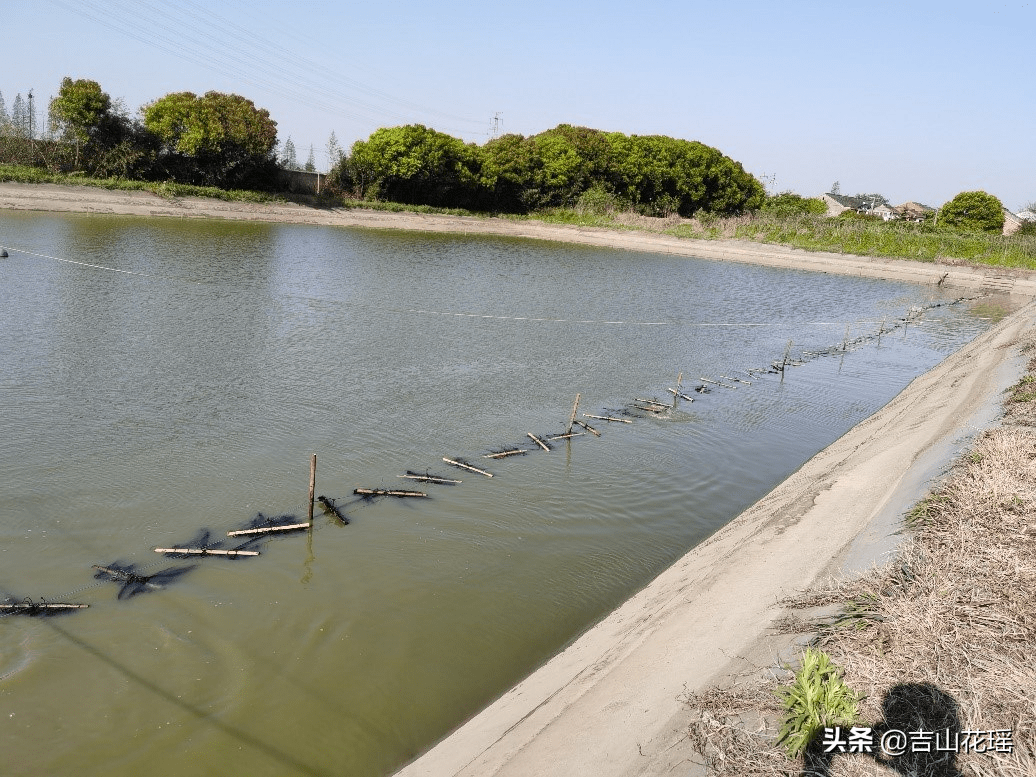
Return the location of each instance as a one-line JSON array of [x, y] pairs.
[[952, 613]]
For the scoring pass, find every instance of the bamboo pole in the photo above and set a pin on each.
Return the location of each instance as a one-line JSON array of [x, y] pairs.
[[207, 552], [505, 454], [589, 428], [567, 436], [736, 380], [312, 484], [718, 383], [462, 465], [429, 479], [572, 418], [42, 606], [651, 402], [787, 351], [608, 418], [677, 394], [538, 441], [386, 492], [679, 381], [270, 529]]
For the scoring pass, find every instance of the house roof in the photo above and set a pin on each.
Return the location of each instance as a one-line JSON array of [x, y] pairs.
[[847, 202], [913, 208]]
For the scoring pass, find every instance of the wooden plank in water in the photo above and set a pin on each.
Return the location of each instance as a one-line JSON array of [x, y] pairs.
[[462, 465]]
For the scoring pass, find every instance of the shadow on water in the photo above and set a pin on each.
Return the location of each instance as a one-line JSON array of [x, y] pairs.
[[906, 708], [133, 582], [241, 736]]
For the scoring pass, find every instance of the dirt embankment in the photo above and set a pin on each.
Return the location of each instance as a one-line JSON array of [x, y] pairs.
[[85, 199]]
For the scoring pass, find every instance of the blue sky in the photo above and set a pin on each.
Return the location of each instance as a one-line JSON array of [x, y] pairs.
[[915, 100]]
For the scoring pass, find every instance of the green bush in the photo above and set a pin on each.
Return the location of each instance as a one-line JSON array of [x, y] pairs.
[[973, 212], [791, 204], [816, 700]]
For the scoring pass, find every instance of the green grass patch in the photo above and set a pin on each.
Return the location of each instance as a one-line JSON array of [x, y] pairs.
[[167, 189], [1023, 391], [818, 698], [894, 239]]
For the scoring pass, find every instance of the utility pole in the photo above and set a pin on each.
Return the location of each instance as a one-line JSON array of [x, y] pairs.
[[30, 115], [494, 130]]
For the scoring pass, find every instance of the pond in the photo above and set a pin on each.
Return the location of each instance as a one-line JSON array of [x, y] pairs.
[[177, 377]]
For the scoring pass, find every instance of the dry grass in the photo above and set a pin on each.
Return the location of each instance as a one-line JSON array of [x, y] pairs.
[[952, 620]]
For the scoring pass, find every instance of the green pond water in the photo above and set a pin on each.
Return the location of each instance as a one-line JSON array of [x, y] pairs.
[[139, 409]]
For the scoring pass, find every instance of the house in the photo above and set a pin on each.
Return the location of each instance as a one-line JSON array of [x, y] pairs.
[[839, 203], [914, 211], [1012, 222]]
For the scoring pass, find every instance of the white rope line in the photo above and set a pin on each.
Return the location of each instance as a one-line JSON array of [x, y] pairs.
[[488, 316], [98, 266]]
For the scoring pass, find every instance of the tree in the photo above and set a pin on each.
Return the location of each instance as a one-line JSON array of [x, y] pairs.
[[974, 212], [334, 151], [84, 115], [19, 117], [836, 188], [311, 164], [289, 158], [415, 165], [5, 117], [217, 139]]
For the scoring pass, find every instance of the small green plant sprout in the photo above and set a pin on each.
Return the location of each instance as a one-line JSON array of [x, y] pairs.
[[817, 699]]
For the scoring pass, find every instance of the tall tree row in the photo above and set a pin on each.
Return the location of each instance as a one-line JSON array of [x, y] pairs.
[[560, 167]]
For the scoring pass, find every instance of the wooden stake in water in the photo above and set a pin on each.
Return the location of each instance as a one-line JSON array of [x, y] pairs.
[[572, 417], [845, 342], [312, 484], [881, 328], [787, 351]]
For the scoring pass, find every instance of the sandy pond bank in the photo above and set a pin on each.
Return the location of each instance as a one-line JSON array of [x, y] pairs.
[[610, 703], [85, 199]]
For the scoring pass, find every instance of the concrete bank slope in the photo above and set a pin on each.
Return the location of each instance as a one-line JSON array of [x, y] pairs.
[[609, 705], [86, 199]]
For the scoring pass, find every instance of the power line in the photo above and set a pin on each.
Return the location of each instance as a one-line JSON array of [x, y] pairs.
[[261, 64]]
